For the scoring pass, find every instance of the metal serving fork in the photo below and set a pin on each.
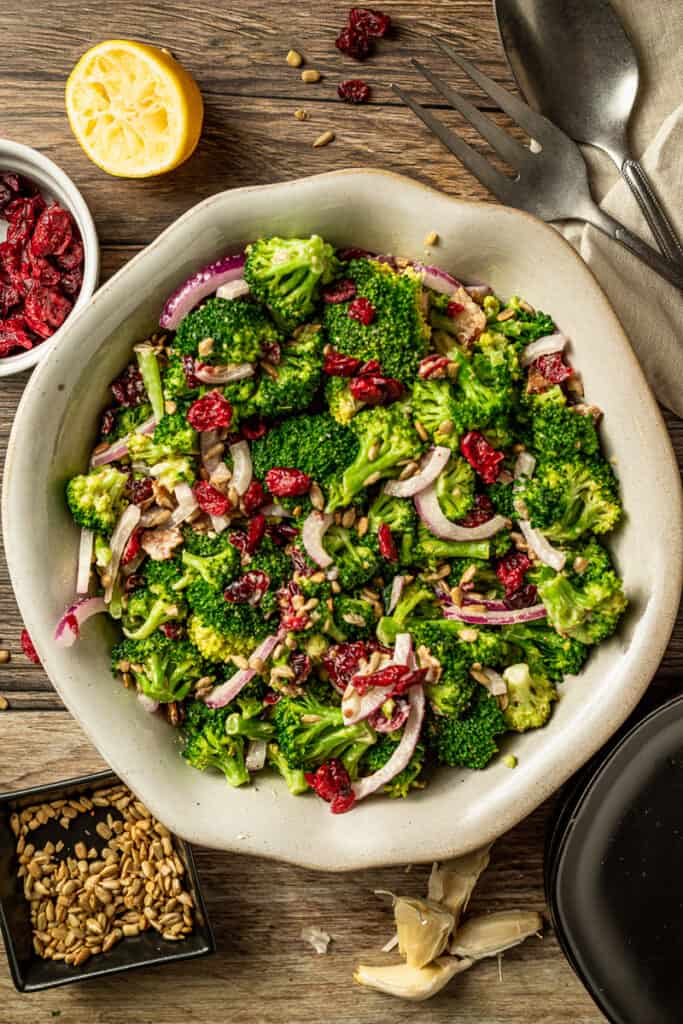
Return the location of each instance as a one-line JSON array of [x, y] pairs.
[[551, 184]]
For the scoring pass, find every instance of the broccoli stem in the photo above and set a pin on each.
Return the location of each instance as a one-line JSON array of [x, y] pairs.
[[151, 377]]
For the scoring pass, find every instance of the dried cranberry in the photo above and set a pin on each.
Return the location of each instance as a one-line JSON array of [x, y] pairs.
[[287, 483], [172, 630], [272, 352], [396, 678], [271, 698], [253, 497], [367, 389], [387, 544], [72, 257], [129, 389], [239, 541], [354, 42], [482, 456], [353, 90], [301, 665], [371, 366], [141, 490], [346, 255], [453, 308], [28, 648], [553, 368], [210, 412], [211, 500], [133, 582], [13, 335], [45, 309], [248, 589], [253, 430], [342, 660], [53, 232], [133, 547], [255, 532], [510, 570], [522, 598], [362, 310], [108, 422], [399, 716], [291, 619], [37, 268], [338, 291], [481, 511], [9, 296], [22, 215], [10, 262], [72, 282], [374, 23], [281, 533], [332, 783], [338, 365], [188, 370]]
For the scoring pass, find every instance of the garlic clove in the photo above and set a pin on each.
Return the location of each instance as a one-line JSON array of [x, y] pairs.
[[414, 983], [452, 882], [423, 928], [491, 934]]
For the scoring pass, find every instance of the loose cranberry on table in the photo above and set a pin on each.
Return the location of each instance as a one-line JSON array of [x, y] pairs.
[[41, 265], [362, 26], [354, 90], [28, 648]]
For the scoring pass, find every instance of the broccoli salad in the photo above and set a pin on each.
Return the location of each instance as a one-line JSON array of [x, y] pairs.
[[349, 516]]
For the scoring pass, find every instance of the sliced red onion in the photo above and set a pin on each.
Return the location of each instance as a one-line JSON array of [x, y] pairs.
[[430, 467], [85, 551], [429, 511], [275, 510], [404, 751], [543, 347], [510, 617], [397, 586], [187, 504], [542, 547], [69, 626], [119, 539], [233, 289], [119, 449], [356, 708], [525, 464], [223, 694], [315, 526], [490, 606], [495, 683], [256, 755], [148, 704], [436, 279], [242, 469], [204, 282], [224, 373], [478, 292], [403, 649]]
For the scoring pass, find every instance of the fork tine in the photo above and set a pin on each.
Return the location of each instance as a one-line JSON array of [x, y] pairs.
[[473, 161], [510, 149], [535, 124]]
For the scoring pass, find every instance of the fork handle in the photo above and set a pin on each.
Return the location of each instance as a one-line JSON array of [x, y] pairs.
[[671, 272], [652, 210]]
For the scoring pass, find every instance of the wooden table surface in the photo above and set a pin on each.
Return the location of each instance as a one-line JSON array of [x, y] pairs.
[[263, 972]]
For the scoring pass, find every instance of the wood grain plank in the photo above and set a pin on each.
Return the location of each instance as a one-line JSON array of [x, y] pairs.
[[264, 973]]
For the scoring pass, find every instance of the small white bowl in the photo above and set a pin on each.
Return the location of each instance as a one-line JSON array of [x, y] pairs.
[[54, 184]]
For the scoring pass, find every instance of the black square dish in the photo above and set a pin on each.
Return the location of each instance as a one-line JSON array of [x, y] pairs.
[[32, 973]]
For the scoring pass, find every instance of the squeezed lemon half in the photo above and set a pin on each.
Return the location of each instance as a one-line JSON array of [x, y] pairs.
[[135, 111]]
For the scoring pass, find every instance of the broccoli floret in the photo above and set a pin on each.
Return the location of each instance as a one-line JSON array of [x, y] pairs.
[[455, 488], [277, 565], [356, 560], [102, 551], [174, 381], [170, 472], [310, 733], [216, 570], [166, 578], [96, 499], [567, 499], [151, 376], [163, 669], [239, 330], [524, 326], [353, 617], [127, 420], [484, 390], [295, 380], [251, 728], [417, 601], [294, 777], [530, 696], [435, 407], [175, 434], [561, 655], [240, 394], [340, 402], [315, 444], [433, 549], [145, 612], [400, 516], [470, 741], [221, 628], [503, 498], [385, 433], [587, 604], [453, 691], [207, 744], [206, 545], [398, 334], [286, 275], [560, 431], [412, 775]]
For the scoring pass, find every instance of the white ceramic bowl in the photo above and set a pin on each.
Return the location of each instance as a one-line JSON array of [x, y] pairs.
[[54, 184], [64, 399]]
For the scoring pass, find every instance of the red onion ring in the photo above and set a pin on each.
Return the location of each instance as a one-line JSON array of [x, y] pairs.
[[224, 373], [85, 551], [315, 526], [68, 628], [148, 704], [130, 518], [404, 750], [429, 511], [119, 449], [256, 755], [431, 466], [436, 279], [242, 469], [200, 284], [543, 347], [223, 694], [397, 586], [233, 289]]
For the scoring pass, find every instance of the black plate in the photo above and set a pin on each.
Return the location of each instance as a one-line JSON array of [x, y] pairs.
[[613, 872], [31, 973]]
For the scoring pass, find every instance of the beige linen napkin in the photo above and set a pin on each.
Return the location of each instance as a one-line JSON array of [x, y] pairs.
[[650, 309]]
